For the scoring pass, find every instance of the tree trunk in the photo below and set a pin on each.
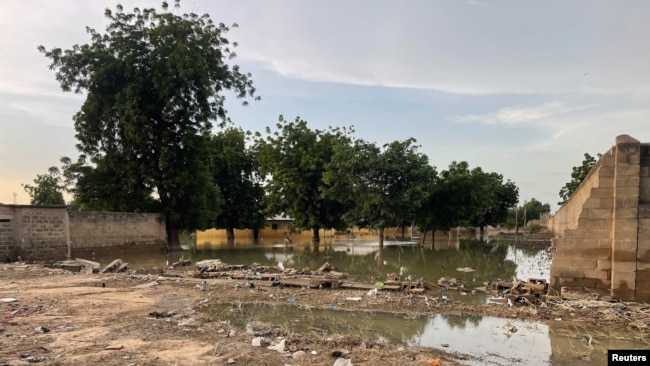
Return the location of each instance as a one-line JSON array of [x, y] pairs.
[[256, 234], [423, 238], [173, 240], [481, 233], [316, 235], [403, 231], [230, 234], [381, 237]]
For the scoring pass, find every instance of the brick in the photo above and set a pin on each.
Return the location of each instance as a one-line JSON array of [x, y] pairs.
[[584, 264], [623, 266], [591, 223], [604, 264], [624, 255], [572, 273], [626, 214], [597, 253], [600, 192], [597, 274], [562, 263]]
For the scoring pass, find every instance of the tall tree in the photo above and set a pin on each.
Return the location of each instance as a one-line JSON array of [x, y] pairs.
[[578, 174], [235, 171], [294, 159], [48, 188], [386, 185], [464, 197], [494, 198], [153, 86]]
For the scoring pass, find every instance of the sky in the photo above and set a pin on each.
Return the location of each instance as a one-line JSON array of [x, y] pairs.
[[521, 88]]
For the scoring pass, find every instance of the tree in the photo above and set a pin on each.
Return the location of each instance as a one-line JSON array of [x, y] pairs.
[[294, 159], [578, 174], [464, 197], [47, 189], [235, 171], [385, 185], [153, 85], [494, 199]]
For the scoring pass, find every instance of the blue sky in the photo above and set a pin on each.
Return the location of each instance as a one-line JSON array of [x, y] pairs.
[[521, 88]]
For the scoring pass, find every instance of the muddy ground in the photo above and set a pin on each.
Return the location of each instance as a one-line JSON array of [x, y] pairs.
[[64, 318]]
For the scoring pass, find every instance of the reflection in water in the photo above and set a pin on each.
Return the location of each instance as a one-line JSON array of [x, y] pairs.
[[493, 341], [364, 260]]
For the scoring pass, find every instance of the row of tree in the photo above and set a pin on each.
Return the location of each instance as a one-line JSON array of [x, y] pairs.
[[154, 87]]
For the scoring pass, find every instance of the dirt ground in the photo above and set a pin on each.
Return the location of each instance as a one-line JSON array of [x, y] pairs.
[[56, 317]]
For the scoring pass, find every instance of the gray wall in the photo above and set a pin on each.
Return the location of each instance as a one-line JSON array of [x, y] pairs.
[[50, 232]]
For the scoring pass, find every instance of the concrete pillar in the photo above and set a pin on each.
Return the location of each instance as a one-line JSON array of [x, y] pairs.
[[625, 217]]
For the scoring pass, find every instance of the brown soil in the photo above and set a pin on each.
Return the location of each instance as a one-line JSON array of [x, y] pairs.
[[65, 318]]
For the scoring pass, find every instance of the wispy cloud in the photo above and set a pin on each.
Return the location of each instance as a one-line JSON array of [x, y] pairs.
[[522, 115]]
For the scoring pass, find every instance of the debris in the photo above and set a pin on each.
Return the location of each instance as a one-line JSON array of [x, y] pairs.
[[256, 342], [147, 285], [354, 298], [113, 348], [279, 346], [465, 269], [157, 315], [372, 292], [342, 362], [8, 299], [42, 329], [299, 354], [111, 267], [433, 362]]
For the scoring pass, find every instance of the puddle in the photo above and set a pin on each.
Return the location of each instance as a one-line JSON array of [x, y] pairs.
[[491, 340]]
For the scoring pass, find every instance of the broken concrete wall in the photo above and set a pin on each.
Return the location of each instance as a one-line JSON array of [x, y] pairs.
[[602, 231]]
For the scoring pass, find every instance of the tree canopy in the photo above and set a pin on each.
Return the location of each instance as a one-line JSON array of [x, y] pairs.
[[294, 158], [464, 197], [47, 189], [578, 174], [235, 172], [383, 187], [154, 86]]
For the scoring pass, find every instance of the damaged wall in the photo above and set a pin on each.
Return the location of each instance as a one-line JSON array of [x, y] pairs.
[[51, 232], [603, 232]]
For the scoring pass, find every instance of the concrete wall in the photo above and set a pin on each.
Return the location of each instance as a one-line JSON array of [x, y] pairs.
[[108, 229], [603, 231], [51, 232]]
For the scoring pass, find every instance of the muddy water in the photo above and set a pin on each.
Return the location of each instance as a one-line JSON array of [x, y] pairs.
[[486, 340], [365, 261], [491, 339]]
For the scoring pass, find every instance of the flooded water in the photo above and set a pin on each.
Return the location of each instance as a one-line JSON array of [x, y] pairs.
[[487, 340], [492, 339]]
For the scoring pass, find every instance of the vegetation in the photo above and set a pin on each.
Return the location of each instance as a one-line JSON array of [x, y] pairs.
[[578, 174], [383, 186], [47, 189], [464, 197], [294, 158], [153, 86], [531, 210], [235, 173]]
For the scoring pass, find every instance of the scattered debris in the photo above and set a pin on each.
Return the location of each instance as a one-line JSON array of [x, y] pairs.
[[114, 348], [115, 267], [8, 299]]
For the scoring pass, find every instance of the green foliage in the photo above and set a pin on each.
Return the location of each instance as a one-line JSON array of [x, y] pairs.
[[578, 174], [464, 197], [235, 171], [294, 158], [47, 189], [154, 85], [382, 186]]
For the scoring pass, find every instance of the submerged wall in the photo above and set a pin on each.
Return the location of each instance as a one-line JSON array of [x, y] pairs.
[[51, 232], [603, 232]]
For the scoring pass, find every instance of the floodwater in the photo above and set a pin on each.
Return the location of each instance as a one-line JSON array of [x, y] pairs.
[[486, 340], [490, 339]]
